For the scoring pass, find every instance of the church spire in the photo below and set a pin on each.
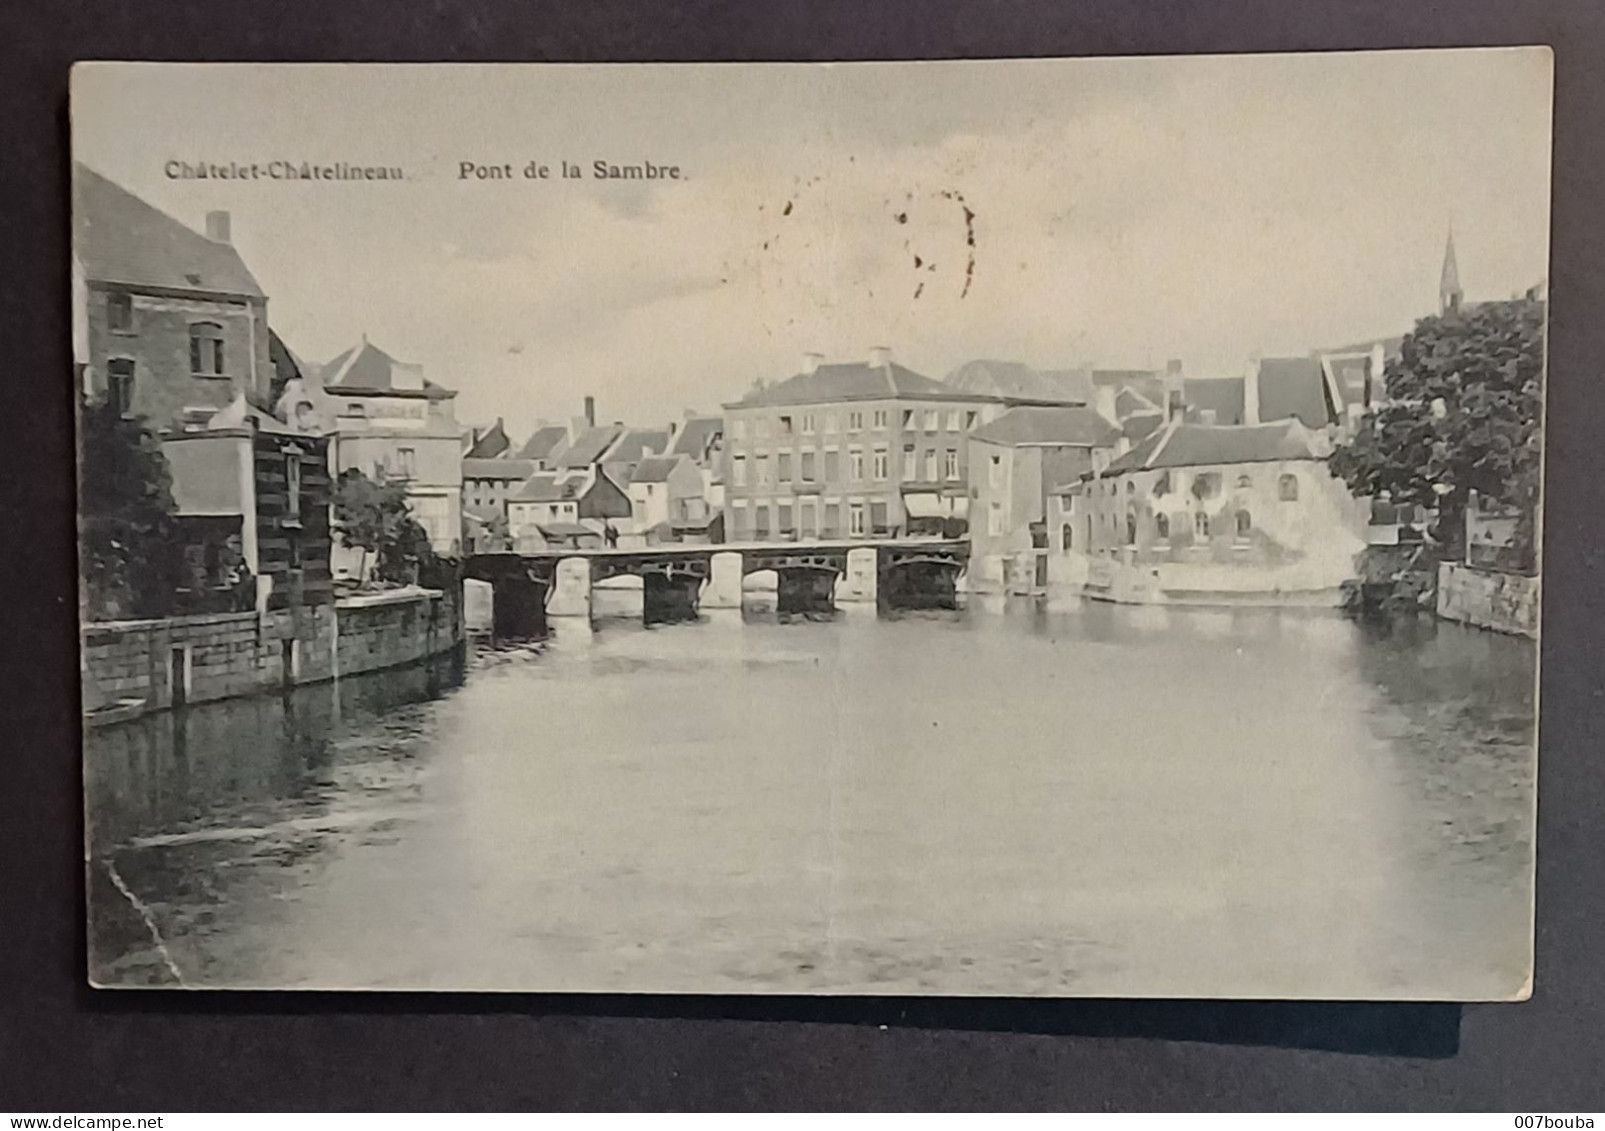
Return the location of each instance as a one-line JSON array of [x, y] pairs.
[[1449, 293]]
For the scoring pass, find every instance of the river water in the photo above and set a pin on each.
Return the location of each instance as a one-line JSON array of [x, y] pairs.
[[1006, 799]]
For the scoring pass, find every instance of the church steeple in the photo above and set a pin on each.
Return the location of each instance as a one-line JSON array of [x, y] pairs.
[[1449, 293]]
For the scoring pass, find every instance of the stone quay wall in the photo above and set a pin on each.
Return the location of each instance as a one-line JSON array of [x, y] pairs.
[[131, 667], [1502, 602]]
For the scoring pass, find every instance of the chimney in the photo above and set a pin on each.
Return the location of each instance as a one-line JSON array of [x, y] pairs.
[[217, 227], [811, 362], [1251, 391], [880, 357], [590, 412], [1175, 391]]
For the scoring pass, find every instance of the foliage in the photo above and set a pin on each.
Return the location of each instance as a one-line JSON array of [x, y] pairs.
[[126, 506], [374, 518], [1462, 413]]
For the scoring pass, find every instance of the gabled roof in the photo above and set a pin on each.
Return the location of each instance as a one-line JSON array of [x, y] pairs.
[[697, 433], [1150, 383], [1348, 375], [1017, 381], [1033, 426], [551, 487], [367, 369], [476, 467], [854, 380], [637, 443], [1130, 401], [118, 238], [1140, 425], [1221, 395], [540, 445], [655, 469], [1293, 387], [1193, 445], [492, 443], [588, 447]]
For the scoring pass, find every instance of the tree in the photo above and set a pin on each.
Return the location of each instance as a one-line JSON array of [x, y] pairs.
[[126, 508], [1463, 413], [374, 518]]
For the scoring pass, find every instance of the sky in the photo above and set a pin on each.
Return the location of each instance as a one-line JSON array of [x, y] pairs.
[[1109, 212]]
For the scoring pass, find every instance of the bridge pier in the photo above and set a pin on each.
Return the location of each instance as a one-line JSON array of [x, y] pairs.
[[722, 590], [860, 584], [571, 589]]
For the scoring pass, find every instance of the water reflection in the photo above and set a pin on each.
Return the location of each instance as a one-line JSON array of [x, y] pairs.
[[1010, 797]]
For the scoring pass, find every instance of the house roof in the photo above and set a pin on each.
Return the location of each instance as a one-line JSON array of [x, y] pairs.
[[477, 467], [367, 369], [1293, 387], [655, 469], [118, 238], [541, 443], [697, 433], [490, 444], [566, 530], [1221, 395], [1185, 444], [848, 381], [1350, 374], [550, 487], [1018, 381], [1148, 382], [637, 443], [1042, 426], [1140, 425], [588, 447]]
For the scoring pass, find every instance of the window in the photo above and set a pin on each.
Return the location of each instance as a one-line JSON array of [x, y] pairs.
[[878, 466], [120, 385], [1206, 485], [855, 464], [1287, 488], [910, 463], [931, 418], [1067, 538], [206, 349], [808, 519], [908, 418], [833, 520], [808, 422], [1245, 524], [760, 521], [1245, 480], [994, 520], [952, 420], [855, 422], [292, 486], [783, 526], [830, 422], [120, 312], [1131, 486], [950, 463], [1162, 486], [783, 467], [785, 426], [1201, 524], [855, 519], [930, 465], [880, 418], [738, 429], [761, 467], [994, 471], [969, 420], [1131, 528], [738, 471], [807, 461], [877, 517], [1162, 527], [738, 518], [404, 462]]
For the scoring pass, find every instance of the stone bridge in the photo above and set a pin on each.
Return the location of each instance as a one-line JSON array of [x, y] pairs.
[[812, 576]]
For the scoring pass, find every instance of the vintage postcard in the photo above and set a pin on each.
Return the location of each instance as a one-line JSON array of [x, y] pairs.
[[1035, 527]]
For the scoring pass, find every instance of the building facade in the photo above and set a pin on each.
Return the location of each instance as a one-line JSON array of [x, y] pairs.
[[850, 450]]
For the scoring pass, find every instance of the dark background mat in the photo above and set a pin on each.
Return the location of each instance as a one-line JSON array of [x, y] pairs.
[[65, 1048]]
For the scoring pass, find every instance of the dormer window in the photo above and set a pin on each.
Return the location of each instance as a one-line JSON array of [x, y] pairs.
[[206, 349], [120, 312]]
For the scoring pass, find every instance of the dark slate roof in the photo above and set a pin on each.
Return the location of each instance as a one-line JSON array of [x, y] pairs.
[[588, 447], [550, 487], [120, 239], [492, 444], [1192, 445], [637, 443], [1223, 395], [1293, 387], [1018, 381], [654, 469], [1046, 426], [696, 433], [1148, 382], [476, 467], [852, 381], [365, 368], [1139, 425], [540, 445]]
